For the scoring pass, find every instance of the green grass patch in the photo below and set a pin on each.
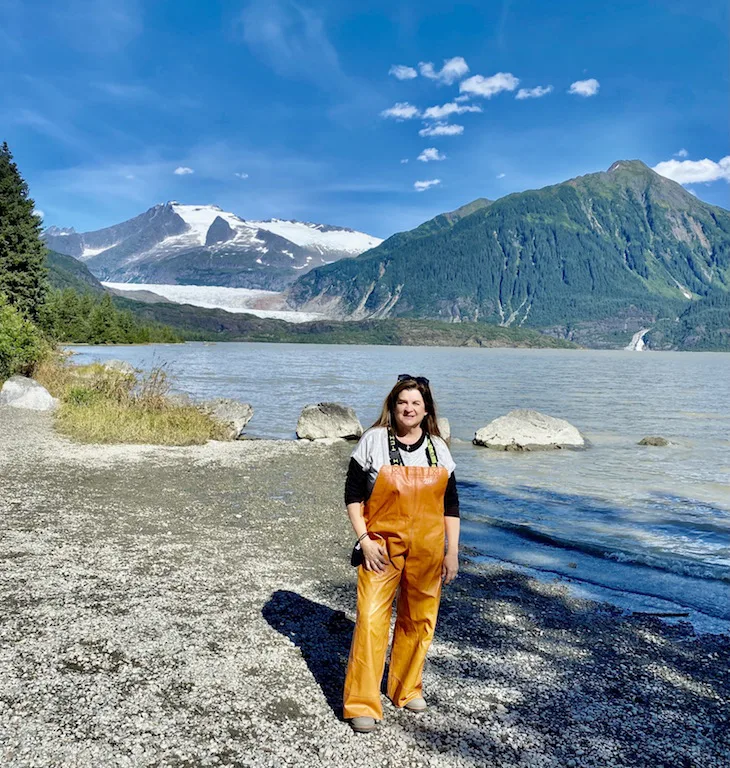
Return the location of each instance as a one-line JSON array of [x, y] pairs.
[[89, 418], [99, 405]]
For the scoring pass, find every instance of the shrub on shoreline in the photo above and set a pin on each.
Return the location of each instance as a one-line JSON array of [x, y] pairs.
[[21, 343], [99, 405]]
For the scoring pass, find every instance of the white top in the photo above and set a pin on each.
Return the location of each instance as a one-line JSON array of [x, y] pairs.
[[372, 453]]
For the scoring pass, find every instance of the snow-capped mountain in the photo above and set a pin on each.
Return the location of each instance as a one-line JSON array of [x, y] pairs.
[[205, 245]]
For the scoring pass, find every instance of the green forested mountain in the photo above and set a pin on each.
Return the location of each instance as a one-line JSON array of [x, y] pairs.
[[619, 249], [68, 272], [703, 326]]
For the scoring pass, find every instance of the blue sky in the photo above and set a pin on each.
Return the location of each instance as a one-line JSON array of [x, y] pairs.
[[276, 108]]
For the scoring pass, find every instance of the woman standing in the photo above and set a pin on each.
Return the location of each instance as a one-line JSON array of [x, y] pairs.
[[401, 499]]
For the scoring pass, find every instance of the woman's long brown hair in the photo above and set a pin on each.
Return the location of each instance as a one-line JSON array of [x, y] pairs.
[[387, 415]]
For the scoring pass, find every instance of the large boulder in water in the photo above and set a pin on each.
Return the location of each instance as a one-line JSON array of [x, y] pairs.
[[231, 413], [22, 392], [323, 420], [444, 428], [527, 430]]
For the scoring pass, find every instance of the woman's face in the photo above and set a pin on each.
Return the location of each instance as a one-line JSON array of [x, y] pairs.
[[410, 410]]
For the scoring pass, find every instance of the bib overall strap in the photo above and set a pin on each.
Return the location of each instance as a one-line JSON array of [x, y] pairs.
[[431, 452], [395, 457], [393, 452]]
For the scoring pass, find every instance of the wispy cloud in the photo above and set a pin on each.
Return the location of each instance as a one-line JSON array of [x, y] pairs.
[[501, 175], [292, 40], [534, 93], [487, 87], [442, 129], [126, 91], [695, 171], [461, 99], [183, 170], [404, 161], [452, 108], [402, 72], [98, 26], [585, 87], [452, 70], [430, 154], [57, 130], [241, 175], [401, 111], [422, 186], [682, 153]]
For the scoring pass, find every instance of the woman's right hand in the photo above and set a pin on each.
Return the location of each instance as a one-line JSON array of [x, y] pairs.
[[375, 556]]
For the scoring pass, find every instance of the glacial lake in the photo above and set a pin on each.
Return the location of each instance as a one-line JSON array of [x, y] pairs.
[[645, 528]]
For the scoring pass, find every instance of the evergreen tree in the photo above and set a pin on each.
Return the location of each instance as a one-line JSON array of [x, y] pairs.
[[22, 253], [103, 325]]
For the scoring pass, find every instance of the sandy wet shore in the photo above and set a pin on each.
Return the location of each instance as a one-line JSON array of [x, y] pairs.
[[194, 606]]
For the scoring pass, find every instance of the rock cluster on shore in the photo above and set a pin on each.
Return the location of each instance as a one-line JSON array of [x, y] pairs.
[[22, 392], [518, 430], [231, 413], [328, 420]]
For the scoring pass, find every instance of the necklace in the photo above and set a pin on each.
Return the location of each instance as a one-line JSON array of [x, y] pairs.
[[412, 447]]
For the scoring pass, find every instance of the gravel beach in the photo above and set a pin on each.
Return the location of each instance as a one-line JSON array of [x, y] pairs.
[[194, 606]]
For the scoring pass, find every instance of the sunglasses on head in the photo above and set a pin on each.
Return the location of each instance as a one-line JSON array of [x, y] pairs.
[[418, 379]]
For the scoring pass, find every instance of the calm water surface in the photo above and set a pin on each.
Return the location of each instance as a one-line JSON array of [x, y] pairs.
[[648, 528]]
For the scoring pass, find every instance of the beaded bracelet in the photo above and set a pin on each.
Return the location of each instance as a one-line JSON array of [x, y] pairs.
[[362, 537]]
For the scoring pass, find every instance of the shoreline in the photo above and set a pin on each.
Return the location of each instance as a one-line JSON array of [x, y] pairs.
[[193, 606]]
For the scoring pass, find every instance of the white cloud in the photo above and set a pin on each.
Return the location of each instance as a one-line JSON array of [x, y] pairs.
[[534, 93], [442, 129], [431, 154], [183, 170], [129, 176], [695, 171], [241, 175], [452, 70], [422, 186], [401, 111], [401, 72], [39, 213], [501, 175], [452, 108], [461, 99], [404, 161], [489, 86], [682, 153], [585, 87], [692, 192]]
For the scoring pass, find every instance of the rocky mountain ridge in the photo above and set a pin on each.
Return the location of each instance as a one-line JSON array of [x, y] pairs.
[[205, 245]]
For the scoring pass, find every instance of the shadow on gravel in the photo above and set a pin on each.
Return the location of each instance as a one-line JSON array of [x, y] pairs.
[[530, 670], [322, 634]]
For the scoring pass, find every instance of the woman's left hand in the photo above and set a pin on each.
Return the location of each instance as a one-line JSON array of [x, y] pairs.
[[450, 567]]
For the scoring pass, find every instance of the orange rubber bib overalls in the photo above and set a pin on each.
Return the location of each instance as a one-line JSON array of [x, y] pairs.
[[405, 512]]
